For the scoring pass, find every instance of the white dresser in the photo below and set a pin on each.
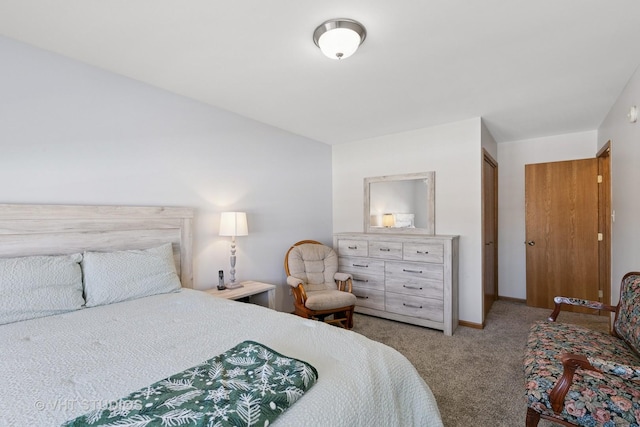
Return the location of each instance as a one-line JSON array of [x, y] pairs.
[[409, 278]]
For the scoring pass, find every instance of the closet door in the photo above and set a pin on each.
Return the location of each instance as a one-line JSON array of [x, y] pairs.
[[489, 231], [561, 201]]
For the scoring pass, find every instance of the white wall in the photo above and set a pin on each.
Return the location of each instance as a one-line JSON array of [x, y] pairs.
[[625, 181], [71, 133], [488, 142], [453, 152], [512, 156]]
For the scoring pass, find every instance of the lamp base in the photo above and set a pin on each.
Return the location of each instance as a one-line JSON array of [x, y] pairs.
[[234, 286]]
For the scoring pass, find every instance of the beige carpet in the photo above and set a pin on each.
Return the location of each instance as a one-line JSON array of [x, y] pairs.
[[476, 375]]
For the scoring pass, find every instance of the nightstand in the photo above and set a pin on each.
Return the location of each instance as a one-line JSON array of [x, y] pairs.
[[249, 289]]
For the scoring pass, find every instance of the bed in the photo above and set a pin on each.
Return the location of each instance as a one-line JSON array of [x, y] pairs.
[[58, 367]]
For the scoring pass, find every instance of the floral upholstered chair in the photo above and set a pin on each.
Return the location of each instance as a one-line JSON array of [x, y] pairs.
[[577, 376], [319, 291]]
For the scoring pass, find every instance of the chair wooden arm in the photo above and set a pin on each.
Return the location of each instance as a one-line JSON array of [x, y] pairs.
[[345, 285], [300, 295], [570, 363], [559, 301], [297, 288]]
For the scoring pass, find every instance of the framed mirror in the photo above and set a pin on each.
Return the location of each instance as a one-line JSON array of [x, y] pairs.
[[400, 204]]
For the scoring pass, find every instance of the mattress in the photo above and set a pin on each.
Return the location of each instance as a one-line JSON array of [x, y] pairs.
[[59, 367]]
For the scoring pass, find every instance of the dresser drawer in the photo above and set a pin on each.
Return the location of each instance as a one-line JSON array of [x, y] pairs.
[[423, 252], [368, 281], [352, 247], [413, 271], [360, 265], [386, 250], [366, 273], [369, 298], [424, 308], [426, 288]]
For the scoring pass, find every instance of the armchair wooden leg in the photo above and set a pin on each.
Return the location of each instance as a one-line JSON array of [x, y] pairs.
[[533, 418], [349, 319]]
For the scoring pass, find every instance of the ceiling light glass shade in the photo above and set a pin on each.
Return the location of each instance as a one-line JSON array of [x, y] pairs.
[[339, 38], [339, 43]]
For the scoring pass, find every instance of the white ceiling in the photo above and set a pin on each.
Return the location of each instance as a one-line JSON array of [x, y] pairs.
[[529, 68]]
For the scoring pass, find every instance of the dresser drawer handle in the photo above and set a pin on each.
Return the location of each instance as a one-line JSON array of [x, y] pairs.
[[352, 247], [411, 287], [360, 265], [359, 297], [385, 250], [412, 271], [422, 252], [363, 280], [411, 306]]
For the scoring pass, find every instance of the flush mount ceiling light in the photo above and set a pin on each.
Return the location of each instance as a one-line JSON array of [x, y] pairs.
[[339, 38]]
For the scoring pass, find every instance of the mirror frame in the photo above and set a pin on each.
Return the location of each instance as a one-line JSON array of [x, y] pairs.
[[431, 203]]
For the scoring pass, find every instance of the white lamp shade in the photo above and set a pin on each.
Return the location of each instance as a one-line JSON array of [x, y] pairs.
[[233, 224], [388, 220], [339, 43]]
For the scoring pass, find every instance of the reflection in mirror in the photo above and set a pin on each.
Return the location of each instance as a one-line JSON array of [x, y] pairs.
[[400, 204]]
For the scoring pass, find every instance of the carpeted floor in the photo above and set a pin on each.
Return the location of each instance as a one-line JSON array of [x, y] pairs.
[[476, 375]]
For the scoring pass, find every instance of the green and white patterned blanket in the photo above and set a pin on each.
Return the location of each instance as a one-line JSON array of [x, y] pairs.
[[248, 385]]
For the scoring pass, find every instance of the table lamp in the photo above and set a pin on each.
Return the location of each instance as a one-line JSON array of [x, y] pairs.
[[388, 220], [233, 224]]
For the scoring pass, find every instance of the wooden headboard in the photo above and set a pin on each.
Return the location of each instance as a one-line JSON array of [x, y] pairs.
[[62, 229]]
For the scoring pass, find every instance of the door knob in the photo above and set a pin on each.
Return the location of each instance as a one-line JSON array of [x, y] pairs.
[[531, 243]]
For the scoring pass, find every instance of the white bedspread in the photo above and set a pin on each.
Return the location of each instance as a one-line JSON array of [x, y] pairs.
[[56, 368]]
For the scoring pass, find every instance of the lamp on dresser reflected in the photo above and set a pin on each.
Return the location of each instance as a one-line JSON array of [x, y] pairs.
[[388, 220], [233, 224]]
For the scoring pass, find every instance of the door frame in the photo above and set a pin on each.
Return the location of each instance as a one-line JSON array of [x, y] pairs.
[[604, 222], [487, 157]]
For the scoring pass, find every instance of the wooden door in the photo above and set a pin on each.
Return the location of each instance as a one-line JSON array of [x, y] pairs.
[[561, 203], [489, 231]]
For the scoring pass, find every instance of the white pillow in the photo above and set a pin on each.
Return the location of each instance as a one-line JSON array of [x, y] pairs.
[[120, 276], [39, 286]]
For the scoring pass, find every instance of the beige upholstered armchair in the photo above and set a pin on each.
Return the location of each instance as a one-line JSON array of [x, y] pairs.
[[320, 292]]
